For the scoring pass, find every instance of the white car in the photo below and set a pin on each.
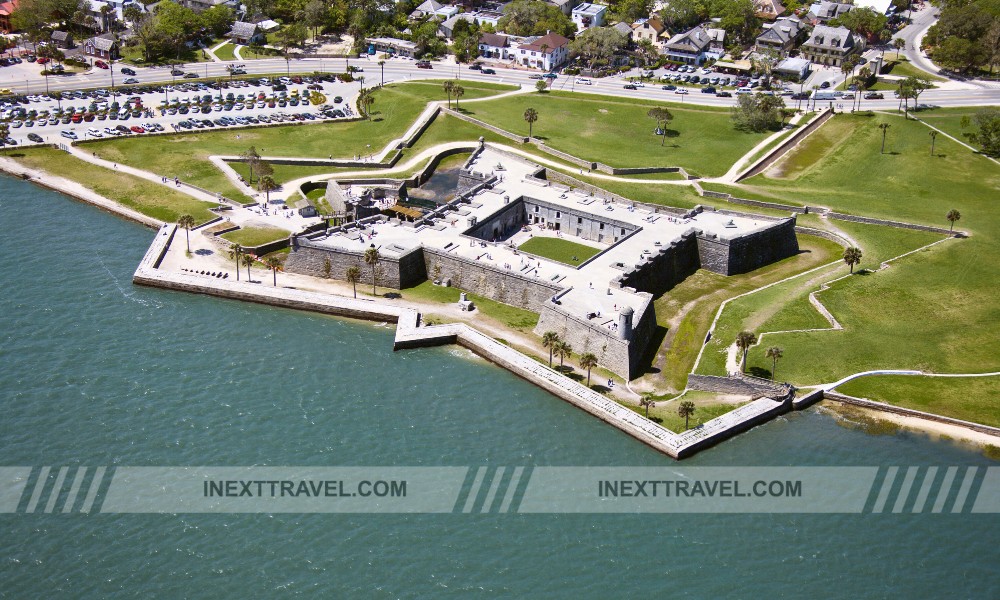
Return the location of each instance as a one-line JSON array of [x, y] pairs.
[[680, 91], [110, 131], [131, 80], [584, 81], [94, 132]]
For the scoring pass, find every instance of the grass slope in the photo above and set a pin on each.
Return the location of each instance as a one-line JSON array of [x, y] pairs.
[[979, 399]]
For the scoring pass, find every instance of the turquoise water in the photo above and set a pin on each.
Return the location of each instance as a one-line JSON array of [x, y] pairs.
[[96, 371]]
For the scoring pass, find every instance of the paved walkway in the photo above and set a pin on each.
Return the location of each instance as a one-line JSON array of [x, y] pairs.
[[211, 51]]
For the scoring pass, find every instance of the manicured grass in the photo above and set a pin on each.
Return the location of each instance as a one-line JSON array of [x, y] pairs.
[[949, 120], [616, 131], [935, 310], [511, 316], [687, 310], [255, 236], [680, 196], [186, 155], [901, 67], [226, 52], [707, 407], [157, 201], [559, 250], [974, 399]]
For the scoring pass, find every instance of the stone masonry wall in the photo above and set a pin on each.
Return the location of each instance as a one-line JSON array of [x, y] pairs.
[[665, 268], [502, 285], [736, 385], [748, 252], [308, 259]]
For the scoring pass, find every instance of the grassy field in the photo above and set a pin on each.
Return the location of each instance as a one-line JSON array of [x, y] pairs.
[[511, 316], [559, 250], [935, 310], [974, 399], [901, 67], [157, 201], [226, 52], [949, 120], [707, 407], [186, 155], [684, 314], [255, 236], [617, 132]]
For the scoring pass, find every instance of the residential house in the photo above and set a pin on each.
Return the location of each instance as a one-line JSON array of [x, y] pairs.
[[432, 8], [768, 10], [245, 33], [7, 8], [830, 45], [793, 69], [588, 15], [716, 44], [688, 47], [103, 46], [495, 47], [782, 35], [821, 12], [546, 52], [62, 39], [447, 27], [651, 29], [107, 12], [566, 6], [203, 5], [623, 28]]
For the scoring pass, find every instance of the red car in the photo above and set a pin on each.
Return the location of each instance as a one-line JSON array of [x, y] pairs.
[[43, 60], [137, 129], [100, 64]]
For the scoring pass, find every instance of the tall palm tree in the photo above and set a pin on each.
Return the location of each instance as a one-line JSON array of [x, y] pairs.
[[884, 127], [588, 360], [952, 216], [236, 252], [459, 91], [686, 410], [353, 276], [899, 44], [365, 100], [372, 260], [744, 340], [563, 350], [549, 340], [774, 353], [274, 263], [252, 158], [648, 402], [852, 256], [248, 261], [267, 184], [449, 87], [187, 222], [530, 115]]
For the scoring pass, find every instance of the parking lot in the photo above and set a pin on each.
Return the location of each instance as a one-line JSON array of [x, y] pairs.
[[138, 110]]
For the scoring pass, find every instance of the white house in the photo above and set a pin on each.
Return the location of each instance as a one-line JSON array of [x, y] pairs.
[[688, 47], [495, 46], [546, 52], [588, 15]]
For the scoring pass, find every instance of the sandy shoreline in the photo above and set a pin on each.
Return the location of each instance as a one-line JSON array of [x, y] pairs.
[[934, 429]]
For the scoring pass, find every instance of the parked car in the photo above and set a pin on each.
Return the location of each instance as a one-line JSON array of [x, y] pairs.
[[824, 85], [94, 132], [100, 64], [66, 133], [34, 137]]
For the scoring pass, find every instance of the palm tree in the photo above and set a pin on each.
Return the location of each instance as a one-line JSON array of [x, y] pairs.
[[274, 263], [187, 222], [863, 77], [884, 127], [549, 340], [248, 261], [563, 350], [744, 340], [235, 252], [459, 91], [372, 260], [449, 87], [661, 115], [933, 139], [648, 402], [251, 157], [899, 44], [530, 115], [852, 256], [952, 216], [353, 275], [588, 360], [267, 184], [774, 353], [365, 100], [686, 410]]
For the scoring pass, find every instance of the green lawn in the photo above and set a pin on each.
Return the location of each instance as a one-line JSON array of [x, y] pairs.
[[157, 201], [901, 67], [935, 310], [616, 131], [975, 398], [226, 52], [707, 407], [511, 316], [559, 250], [255, 236], [949, 120], [186, 155]]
